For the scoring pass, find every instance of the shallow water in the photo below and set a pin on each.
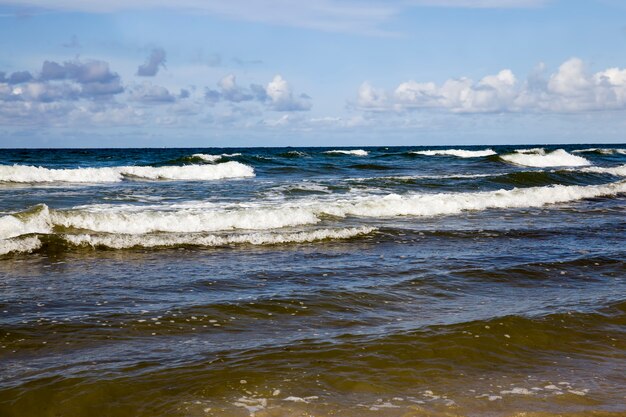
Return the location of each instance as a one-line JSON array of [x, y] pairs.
[[383, 282]]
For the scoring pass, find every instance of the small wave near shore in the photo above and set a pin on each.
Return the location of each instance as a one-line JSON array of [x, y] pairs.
[[131, 225]]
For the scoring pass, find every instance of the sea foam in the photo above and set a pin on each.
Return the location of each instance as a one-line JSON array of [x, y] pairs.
[[37, 220], [619, 171], [302, 212], [21, 245], [164, 240], [460, 153], [34, 174], [539, 158]]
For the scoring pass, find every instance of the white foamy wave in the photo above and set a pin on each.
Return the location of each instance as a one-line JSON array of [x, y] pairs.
[[33, 174], [306, 211], [460, 153], [36, 220], [190, 172], [149, 241], [540, 158], [455, 203], [213, 158], [603, 151], [539, 151], [24, 245], [185, 220], [619, 171], [355, 152]]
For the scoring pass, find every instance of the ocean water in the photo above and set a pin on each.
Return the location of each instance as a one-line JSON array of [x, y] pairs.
[[413, 281]]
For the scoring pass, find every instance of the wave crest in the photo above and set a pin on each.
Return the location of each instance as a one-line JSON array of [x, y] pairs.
[[150, 241], [34, 174], [460, 153], [354, 152], [213, 158], [602, 151], [203, 218], [539, 158]]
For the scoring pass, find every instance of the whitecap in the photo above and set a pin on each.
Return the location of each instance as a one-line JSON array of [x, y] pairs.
[[34, 221], [619, 171], [603, 151], [460, 153], [117, 241], [540, 158], [354, 152], [205, 218], [35, 174], [214, 158], [21, 245]]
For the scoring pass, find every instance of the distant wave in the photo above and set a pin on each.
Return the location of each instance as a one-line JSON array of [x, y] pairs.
[[34, 174], [355, 152], [293, 154], [143, 222], [602, 151], [539, 158], [213, 158], [460, 153], [619, 171]]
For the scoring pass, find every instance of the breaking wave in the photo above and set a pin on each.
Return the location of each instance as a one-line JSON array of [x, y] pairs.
[[34, 174], [293, 154], [619, 171], [213, 158], [150, 241], [21, 245], [157, 225], [355, 152], [460, 153], [538, 157]]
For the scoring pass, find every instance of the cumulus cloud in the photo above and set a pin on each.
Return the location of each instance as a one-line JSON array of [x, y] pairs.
[[151, 94], [153, 63], [19, 77], [70, 80], [228, 90], [281, 97], [277, 94], [572, 88], [231, 91], [57, 91]]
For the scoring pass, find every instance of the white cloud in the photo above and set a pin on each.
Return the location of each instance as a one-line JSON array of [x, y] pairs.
[[276, 95], [281, 97], [151, 94], [570, 89], [371, 98]]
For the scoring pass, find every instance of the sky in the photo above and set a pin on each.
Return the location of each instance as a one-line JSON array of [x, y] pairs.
[[202, 73]]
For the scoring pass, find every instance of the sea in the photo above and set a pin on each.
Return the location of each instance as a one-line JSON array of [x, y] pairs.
[[374, 281]]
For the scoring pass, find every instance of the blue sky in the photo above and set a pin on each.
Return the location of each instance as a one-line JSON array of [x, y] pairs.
[[77, 73]]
